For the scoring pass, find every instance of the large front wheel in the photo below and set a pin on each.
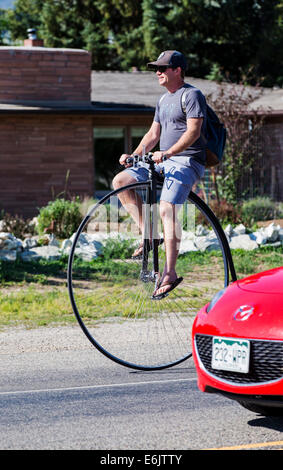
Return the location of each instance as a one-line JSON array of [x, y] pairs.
[[112, 297]]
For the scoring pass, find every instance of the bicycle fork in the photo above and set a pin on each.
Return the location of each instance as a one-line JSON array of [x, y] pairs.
[[151, 239]]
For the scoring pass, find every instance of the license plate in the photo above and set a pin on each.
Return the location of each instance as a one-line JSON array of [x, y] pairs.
[[230, 354]]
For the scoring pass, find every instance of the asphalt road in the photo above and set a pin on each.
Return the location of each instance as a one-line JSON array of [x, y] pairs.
[[75, 398]]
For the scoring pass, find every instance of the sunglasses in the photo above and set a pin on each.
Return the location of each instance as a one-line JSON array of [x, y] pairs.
[[160, 68]]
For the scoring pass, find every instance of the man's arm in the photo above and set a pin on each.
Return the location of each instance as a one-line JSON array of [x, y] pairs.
[[149, 140], [186, 140]]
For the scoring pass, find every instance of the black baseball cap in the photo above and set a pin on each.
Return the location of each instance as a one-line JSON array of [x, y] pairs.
[[170, 59]]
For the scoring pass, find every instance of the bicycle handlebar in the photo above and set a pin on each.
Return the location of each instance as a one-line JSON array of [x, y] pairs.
[[147, 158]]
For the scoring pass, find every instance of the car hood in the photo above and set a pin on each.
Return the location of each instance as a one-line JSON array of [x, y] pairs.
[[251, 307], [268, 282]]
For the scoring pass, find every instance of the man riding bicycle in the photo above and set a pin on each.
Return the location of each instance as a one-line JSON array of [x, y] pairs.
[[181, 157]]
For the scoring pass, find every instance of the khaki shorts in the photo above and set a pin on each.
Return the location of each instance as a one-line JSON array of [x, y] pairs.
[[178, 179]]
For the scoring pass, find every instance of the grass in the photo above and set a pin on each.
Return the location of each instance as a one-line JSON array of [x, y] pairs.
[[34, 309], [35, 294]]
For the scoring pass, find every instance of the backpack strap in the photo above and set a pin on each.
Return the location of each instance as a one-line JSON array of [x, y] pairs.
[[183, 104]]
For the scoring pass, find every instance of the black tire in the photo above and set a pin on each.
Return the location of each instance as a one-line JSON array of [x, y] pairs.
[[113, 305]]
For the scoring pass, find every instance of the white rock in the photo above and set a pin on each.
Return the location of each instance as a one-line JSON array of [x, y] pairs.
[[201, 231], [229, 230], [259, 236], [53, 241], [29, 243], [8, 255], [240, 229], [66, 246], [87, 247], [188, 235], [5, 235], [87, 253], [272, 232], [186, 246], [9, 242], [207, 243], [46, 252], [244, 242]]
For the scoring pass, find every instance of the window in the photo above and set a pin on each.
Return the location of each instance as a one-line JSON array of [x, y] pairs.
[[109, 144], [137, 134]]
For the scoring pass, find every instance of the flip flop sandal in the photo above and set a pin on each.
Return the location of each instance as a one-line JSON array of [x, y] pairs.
[[171, 285], [138, 252]]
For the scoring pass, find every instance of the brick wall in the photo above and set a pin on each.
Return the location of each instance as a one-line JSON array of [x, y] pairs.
[[38, 149], [36, 153], [44, 74]]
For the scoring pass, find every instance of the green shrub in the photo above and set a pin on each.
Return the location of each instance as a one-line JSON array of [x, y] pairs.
[[118, 248], [225, 212], [258, 209], [60, 217]]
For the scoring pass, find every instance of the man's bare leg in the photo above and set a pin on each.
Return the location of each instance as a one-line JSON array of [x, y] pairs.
[[172, 238], [130, 200]]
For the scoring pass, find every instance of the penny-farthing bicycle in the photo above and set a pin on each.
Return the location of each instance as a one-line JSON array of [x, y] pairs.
[[112, 296]]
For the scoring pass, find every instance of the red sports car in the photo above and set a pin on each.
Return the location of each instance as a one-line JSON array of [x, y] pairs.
[[238, 343]]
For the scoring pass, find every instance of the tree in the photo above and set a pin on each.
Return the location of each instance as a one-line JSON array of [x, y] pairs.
[[242, 146], [25, 15], [229, 38], [3, 27]]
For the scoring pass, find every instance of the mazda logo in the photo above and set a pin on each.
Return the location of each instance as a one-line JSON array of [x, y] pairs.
[[243, 313]]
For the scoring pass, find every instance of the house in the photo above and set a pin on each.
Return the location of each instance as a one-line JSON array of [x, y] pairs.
[[63, 126]]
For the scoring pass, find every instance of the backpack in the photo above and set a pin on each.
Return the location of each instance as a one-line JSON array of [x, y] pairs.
[[215, 135]]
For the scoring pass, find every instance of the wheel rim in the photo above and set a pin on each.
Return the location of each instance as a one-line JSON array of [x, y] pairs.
[[116, 312]]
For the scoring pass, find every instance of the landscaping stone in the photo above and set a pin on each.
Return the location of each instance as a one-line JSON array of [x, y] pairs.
[[8, 255], [229, 231], [38, 252], [90, 245], [9, 242], [201, 231], [207, 243], [30, 243], [244, 242], [272, 232], [239, 230], [186, 246]]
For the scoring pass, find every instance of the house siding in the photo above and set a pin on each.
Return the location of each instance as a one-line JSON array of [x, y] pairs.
[[40, 146], [38, 153]]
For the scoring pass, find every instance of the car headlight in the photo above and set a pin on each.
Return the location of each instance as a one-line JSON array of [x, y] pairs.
[[215, 299]]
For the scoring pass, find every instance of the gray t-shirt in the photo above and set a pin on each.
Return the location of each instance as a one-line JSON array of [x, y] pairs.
[[173, 121]]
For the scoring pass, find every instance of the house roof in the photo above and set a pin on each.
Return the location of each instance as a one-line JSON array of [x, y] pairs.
[[138, 92], [135, 88], [142, 90], [270, 100]]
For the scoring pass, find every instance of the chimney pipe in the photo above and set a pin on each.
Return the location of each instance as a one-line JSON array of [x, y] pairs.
[[32, 40]]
